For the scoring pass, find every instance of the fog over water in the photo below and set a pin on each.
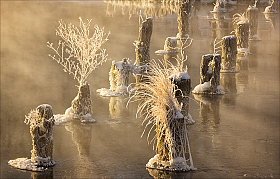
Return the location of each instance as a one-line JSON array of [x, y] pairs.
[[235, 134]]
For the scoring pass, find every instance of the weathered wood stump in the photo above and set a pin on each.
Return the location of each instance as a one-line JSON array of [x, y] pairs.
[[170, 45], [210, 68], [42, 136], [183, 89], [242, 34], [229, 53], [205, 72], [81, 105], [142, 45], [215, 80], [119, 76], [183, 19], [252, 16]]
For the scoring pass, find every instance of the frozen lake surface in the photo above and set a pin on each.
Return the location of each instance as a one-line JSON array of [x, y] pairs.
[[236, 135]]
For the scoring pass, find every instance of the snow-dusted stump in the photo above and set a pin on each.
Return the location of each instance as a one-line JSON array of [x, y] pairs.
[[229, 54], [173, 147], [41, 123], [183, 89], [252, 15], [142, 45], [119, 77], [170, 46], [183, 19], [209, 75], [242, 34]]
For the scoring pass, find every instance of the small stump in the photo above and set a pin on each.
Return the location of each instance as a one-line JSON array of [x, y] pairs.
[[209, 75]]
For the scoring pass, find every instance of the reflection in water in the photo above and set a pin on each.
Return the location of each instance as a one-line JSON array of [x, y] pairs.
[[221, 26], [81, 135], [242, 63], [151, 8], [271, 19], [169, 175], [242, 81], [209, 109], [48, 174], [117, 105], [228, 82]]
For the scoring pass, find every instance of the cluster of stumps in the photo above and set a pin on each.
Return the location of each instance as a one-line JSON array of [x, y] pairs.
[[42, 120]]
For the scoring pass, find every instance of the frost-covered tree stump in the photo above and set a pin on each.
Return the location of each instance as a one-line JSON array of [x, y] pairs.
[[242, 34], [183, 88], [119, 76], [210, 67], [41, 123], [81, 105], [173, 147], [142, 45], [170, 45], [229, 53], [252, 16], [184, 11]]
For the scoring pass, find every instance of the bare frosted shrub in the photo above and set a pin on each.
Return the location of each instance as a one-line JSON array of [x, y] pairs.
[[78, 52]]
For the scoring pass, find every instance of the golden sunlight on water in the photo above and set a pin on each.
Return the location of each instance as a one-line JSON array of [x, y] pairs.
[[235, 135]]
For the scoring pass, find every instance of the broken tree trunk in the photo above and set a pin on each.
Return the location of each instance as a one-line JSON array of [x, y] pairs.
[[215, 80], [205, 73], [81, 105], [229, 53], [183, 19], [252, 16], [143, 43], [42, 136], [242, 34]]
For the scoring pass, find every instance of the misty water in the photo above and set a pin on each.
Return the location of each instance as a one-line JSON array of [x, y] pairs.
[[235, 134]]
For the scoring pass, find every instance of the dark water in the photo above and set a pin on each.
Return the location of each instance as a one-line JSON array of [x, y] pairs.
[[235, 135]]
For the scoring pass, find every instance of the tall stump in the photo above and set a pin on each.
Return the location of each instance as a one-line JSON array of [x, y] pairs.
[[183, 19], [142, 45], [242, 34], [252, 16], [42, 136], [229, 53]]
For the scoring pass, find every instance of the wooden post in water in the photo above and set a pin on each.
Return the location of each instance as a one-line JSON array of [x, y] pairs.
[[42, 136], [205, 73], [81, 104], [142, 45], [242, 34], [183, 19], [170, 45], [215, 80], [229, 53], [252, 16], [119, 76]]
